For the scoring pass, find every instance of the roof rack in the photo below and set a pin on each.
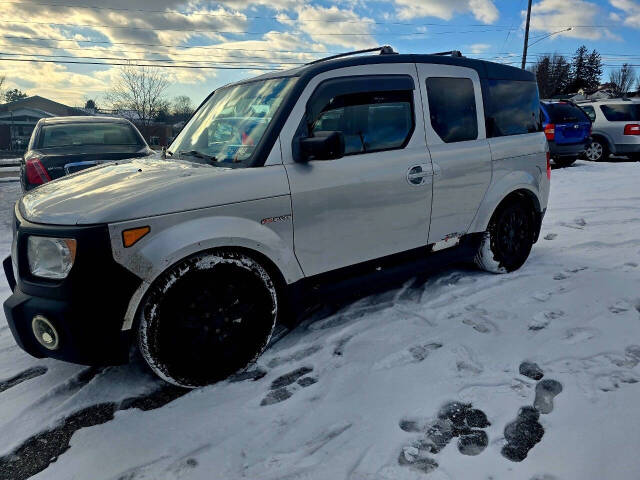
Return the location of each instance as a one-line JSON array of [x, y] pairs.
[[453, 53], [384, 50]]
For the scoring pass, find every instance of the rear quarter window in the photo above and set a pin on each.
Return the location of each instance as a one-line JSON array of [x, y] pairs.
[[623, 112], [514, 108], [590, 111]]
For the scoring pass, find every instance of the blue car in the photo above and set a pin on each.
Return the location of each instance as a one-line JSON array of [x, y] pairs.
[[568, 130]]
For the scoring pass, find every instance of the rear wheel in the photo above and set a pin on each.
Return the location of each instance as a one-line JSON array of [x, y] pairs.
[[507, 242], [597, 151], [207, 317]]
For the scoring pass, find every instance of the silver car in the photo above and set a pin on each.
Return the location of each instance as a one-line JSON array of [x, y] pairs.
[[615, 130], [281, 191]]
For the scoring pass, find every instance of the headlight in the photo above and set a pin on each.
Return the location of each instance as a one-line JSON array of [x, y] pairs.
[[51, 257]]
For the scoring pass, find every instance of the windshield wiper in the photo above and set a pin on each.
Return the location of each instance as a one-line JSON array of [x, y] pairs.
[[197, 154]]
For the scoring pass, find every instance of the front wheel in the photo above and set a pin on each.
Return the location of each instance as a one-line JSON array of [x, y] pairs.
[[207, 317], [507, 242]]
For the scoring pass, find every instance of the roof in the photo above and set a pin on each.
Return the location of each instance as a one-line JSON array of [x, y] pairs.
[[83, 119], [610, 100], [487, 70]]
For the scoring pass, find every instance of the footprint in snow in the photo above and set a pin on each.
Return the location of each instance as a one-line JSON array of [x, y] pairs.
[[542, 320], [413, 354], [620, 306], [454, 420], [286, 385], [580, 334], [551, 236], [523, 433], [612, 381]]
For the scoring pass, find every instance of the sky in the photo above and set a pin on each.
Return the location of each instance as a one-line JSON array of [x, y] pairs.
[[237, 39]]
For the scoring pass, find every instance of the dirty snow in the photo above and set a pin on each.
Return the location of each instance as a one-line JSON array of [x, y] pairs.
[[360, 394]]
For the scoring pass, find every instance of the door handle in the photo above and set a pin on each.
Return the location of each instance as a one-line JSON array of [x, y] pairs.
[[416, 175]]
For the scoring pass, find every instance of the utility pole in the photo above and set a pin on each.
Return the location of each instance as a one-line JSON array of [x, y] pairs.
[[526, 37]]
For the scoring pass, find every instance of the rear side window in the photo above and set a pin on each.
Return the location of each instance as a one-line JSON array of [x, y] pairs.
[[623, 112], [565, 113], [370, 121], [590, 112], [514, 108], [77, 134], [452, 107]]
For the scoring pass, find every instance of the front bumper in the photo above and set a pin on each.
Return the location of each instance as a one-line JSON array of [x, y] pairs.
[[86, 308]]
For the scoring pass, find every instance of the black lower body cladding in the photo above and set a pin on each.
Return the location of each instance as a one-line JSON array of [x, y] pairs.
[[86, 309]]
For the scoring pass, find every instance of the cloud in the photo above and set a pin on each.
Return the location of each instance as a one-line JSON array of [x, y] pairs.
[[631, 9], [479, 47], [483, 10], [334, 26], [553, 15]]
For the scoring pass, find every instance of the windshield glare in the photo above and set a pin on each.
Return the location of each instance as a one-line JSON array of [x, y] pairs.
[[231, 123]]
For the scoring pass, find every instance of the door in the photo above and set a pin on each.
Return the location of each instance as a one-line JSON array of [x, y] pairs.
[[456, 137], [376, 199]]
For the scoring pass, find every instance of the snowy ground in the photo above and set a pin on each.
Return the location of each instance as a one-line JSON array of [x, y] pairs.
[[384, 367]]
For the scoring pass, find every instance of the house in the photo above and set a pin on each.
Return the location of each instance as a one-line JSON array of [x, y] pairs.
[[17, 119]]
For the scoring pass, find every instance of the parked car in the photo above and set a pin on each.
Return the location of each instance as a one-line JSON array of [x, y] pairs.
[[362, 170], [567, 128], [616, 128], [63, 145]]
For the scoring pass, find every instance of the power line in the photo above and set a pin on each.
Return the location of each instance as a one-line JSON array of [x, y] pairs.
[[234, 32], [215, 46], [128, 64], [263, 62]]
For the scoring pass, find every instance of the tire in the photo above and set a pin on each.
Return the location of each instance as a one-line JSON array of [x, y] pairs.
[[507, 242], [598, 151], [207, 317], [564, 162]]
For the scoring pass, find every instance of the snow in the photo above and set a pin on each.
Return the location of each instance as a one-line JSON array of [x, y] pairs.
[[392, 359]]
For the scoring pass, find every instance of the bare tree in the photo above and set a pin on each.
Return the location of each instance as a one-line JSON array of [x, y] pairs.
[[2, 80], [622, 80], [139, 94], [182, 107]]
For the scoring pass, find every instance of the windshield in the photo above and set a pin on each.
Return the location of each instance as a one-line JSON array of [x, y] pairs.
[[227, 128], [79, 134]]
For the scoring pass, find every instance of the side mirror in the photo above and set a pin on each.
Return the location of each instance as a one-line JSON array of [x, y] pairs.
[[322, 146]]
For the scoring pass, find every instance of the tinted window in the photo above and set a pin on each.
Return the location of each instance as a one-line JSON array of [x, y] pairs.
[[76, 134], [590, 112], [623, 112], [452, 106], [514, 108], [565, 113], [370, 121]]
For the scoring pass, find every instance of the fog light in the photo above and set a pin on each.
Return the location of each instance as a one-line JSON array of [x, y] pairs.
[[45, 333]]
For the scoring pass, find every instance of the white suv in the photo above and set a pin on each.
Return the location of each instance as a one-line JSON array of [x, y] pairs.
[[341, 173], [615, 130]]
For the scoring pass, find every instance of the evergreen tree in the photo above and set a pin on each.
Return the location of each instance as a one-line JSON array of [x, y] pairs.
[[552, 74], [593, 71], [579, 70]]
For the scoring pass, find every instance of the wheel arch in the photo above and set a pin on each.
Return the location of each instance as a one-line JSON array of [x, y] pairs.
[[515, 185], [178, 242], [603, 136]]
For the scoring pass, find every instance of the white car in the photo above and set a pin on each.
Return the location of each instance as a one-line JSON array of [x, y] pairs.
[[281, 188], [615, 130]]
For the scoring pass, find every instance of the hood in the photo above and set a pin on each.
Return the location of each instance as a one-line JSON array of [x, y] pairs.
[[146, 187]]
